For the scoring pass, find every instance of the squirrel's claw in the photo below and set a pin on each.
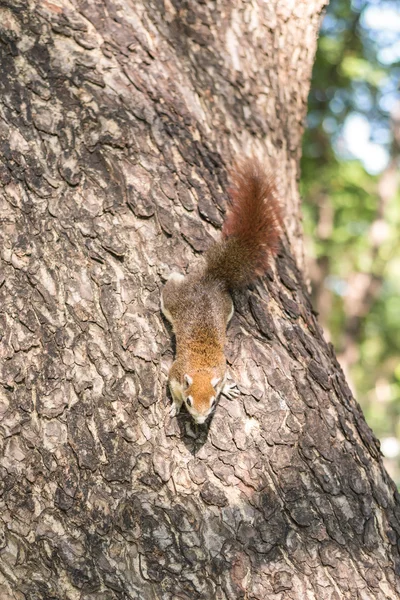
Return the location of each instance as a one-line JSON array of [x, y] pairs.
[[230, 390]]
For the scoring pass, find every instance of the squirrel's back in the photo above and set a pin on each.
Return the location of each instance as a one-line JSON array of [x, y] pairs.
[[251, 231]]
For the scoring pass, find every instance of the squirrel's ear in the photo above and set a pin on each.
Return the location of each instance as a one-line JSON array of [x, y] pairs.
[[215, 381], [188, 380]]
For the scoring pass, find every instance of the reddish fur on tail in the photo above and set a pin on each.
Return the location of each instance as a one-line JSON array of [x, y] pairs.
[[251, 230]]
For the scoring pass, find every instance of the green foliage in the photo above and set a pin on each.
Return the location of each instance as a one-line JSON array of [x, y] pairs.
[[350, 81], [359, 69]]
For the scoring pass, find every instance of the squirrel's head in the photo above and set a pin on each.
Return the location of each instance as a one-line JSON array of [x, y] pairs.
[[200, 393]]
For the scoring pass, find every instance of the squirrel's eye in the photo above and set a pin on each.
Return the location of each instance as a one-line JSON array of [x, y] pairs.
[[189, 401]]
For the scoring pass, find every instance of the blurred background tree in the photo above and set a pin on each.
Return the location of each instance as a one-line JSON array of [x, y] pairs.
[[350, 187]]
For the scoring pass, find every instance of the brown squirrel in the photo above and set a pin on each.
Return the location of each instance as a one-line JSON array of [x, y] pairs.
[[199, 306]]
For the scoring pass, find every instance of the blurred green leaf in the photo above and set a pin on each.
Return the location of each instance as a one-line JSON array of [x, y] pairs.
[[360, 69]]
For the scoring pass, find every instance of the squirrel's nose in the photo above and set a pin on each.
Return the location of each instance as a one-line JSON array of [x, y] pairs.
[[200, 420]]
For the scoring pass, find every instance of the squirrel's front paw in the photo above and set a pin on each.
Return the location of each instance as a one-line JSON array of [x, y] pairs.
[[175, 409], [230, 390]]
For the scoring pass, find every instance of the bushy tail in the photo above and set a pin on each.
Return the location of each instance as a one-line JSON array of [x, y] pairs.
[[251, 231]]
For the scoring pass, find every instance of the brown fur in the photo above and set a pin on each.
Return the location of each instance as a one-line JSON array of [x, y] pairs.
[[201, 390], [205, 348], [199, 309], [251, 229]]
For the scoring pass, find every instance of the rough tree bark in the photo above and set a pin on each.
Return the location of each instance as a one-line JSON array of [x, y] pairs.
[[118, 122]]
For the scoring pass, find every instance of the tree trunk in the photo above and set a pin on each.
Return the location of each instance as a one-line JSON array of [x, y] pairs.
[[118, 123]]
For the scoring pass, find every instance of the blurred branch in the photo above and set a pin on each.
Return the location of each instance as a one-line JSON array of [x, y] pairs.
[[320, 268]]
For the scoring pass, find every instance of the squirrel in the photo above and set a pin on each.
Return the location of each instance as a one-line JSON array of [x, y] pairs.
[[199, 306]]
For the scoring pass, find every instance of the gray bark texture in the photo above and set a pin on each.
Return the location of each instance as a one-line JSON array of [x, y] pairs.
[[118, 123]]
